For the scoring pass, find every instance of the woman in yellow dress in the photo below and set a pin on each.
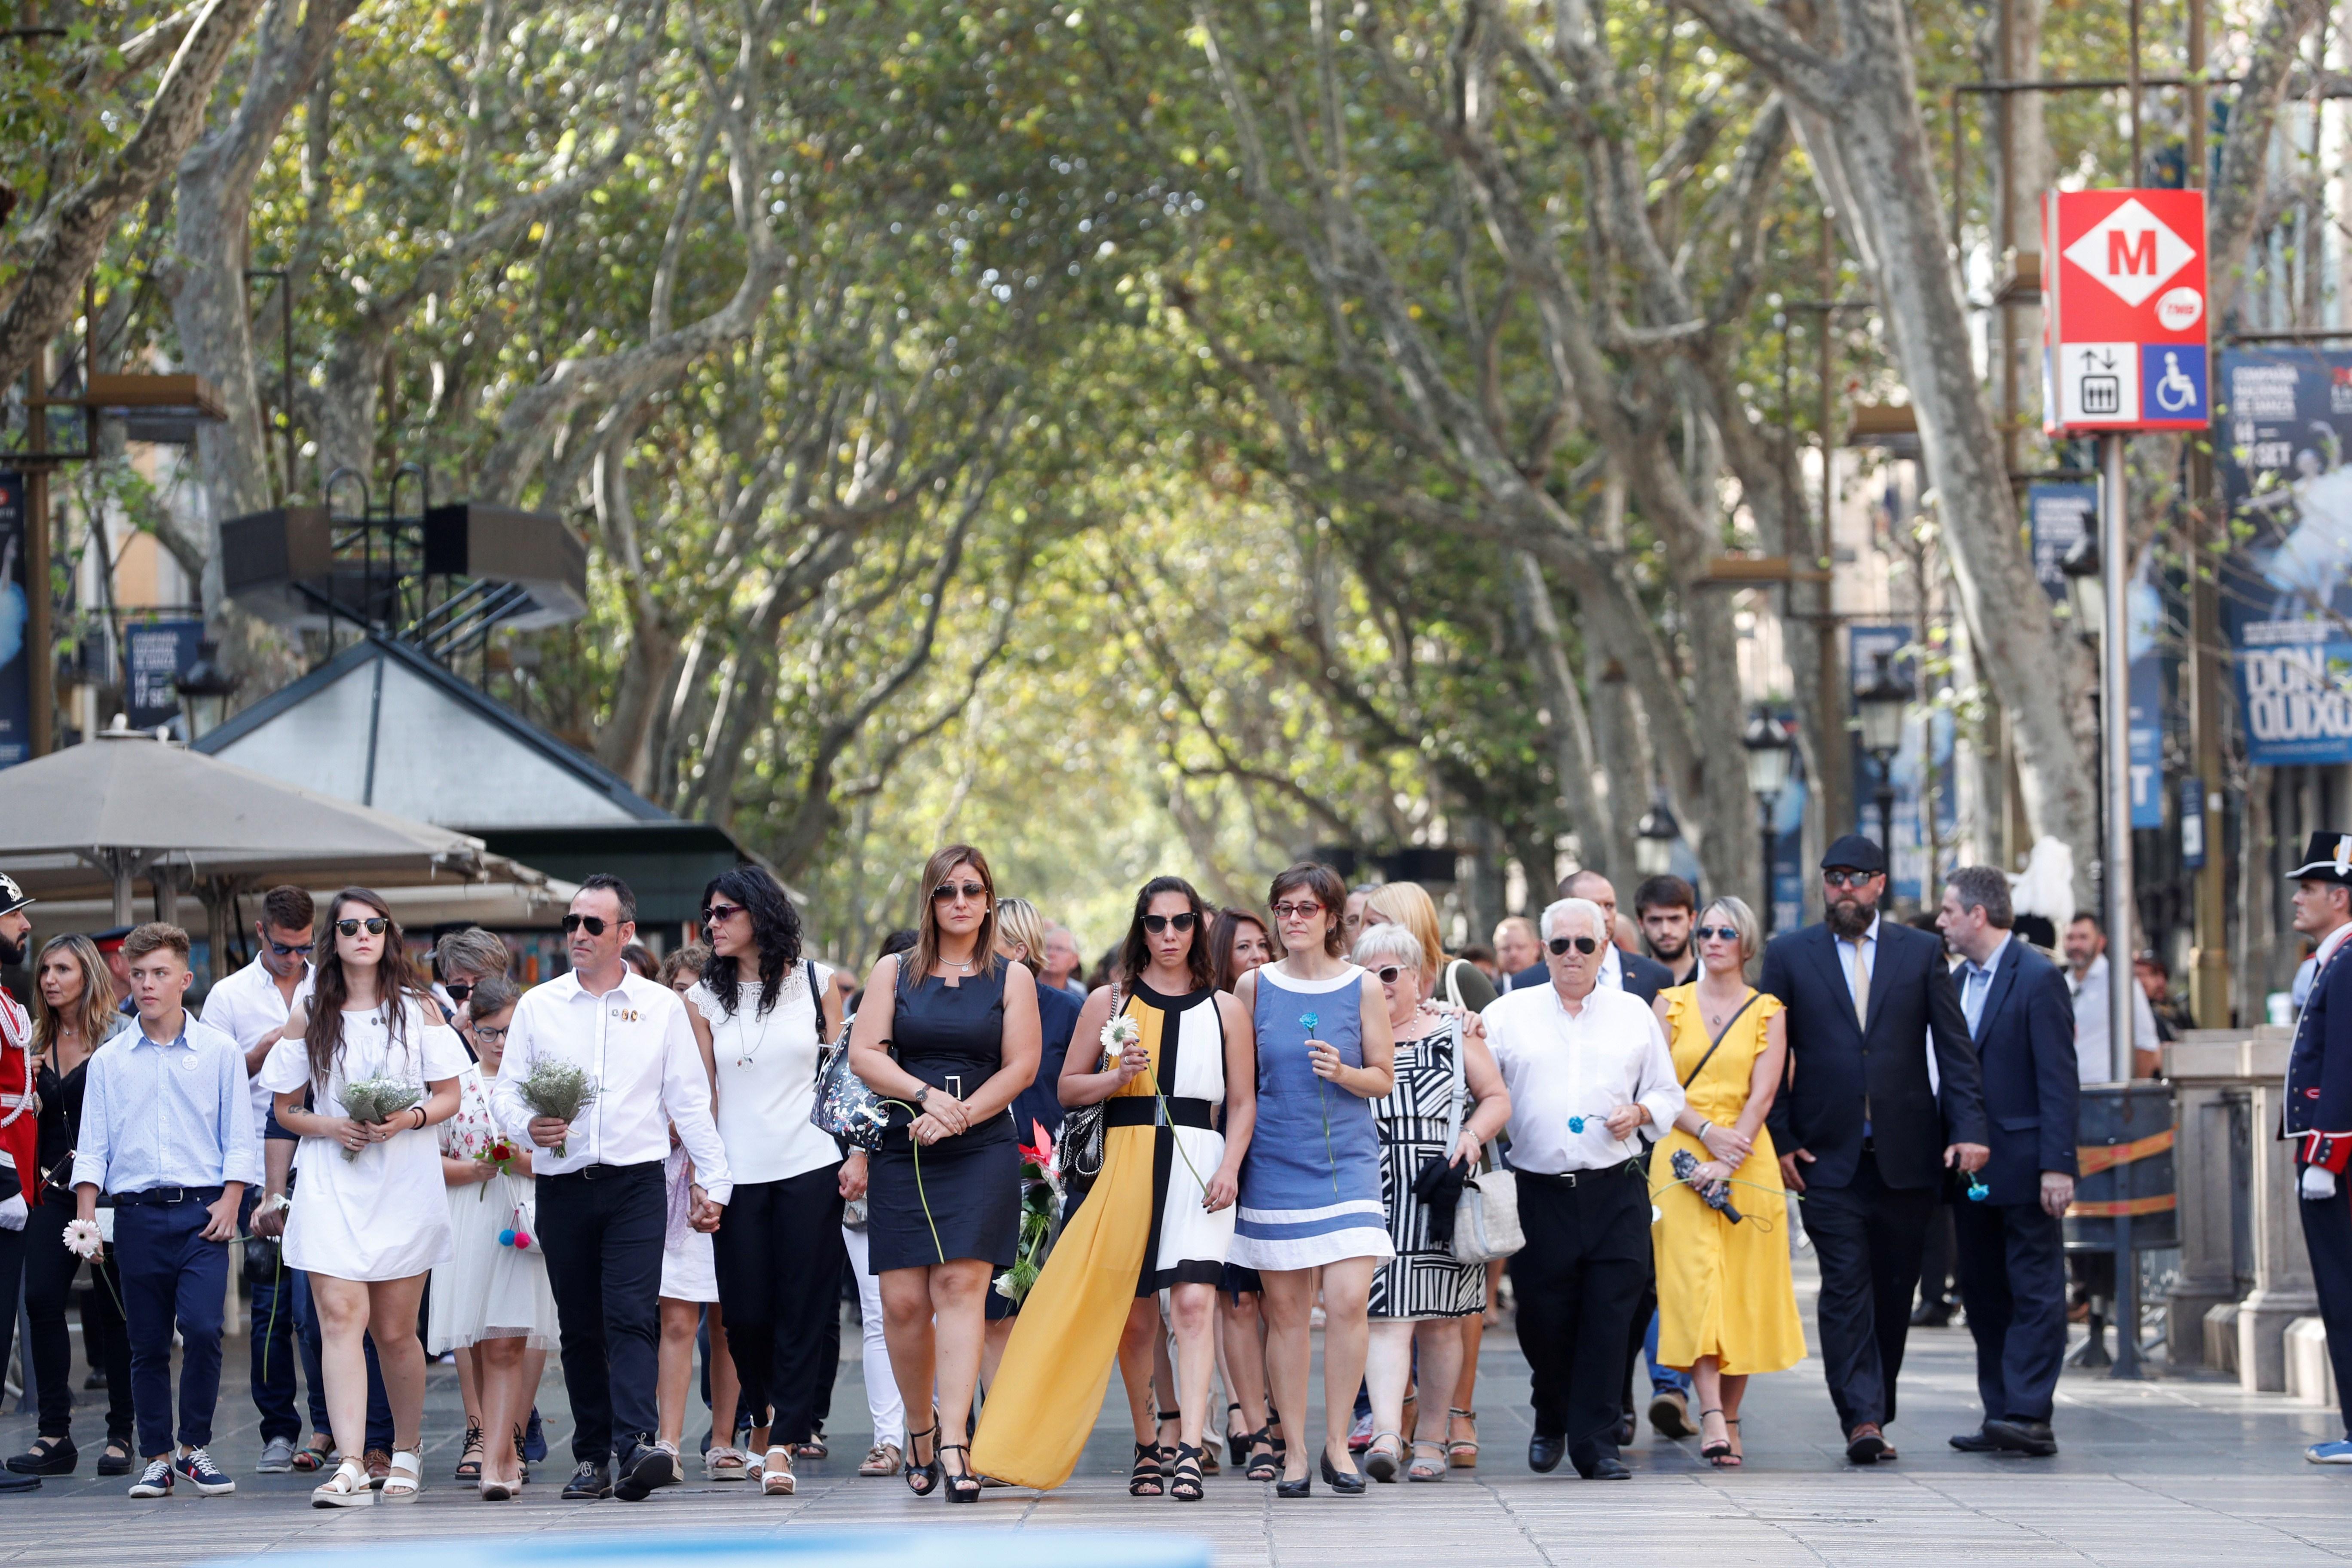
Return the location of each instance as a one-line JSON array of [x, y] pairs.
[[1726, 1309]]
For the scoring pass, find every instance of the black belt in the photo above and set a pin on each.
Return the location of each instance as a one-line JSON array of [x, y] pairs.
[[1143, 1111], [602, 1173], [1571, 1178], [156, 1197]]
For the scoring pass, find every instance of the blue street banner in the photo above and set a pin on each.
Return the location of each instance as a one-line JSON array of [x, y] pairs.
[[155, 654], [2192, 823], [2056, 516], [16, 627], [2281, 421]]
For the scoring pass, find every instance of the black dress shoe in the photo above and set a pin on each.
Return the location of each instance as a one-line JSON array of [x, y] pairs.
[[1604, 1468], [1976, 1442], [2032, 1438], [1932, 1315], [649, 1466], [1544, 1452], [11, 1481], [589, 1481], [1625, 1430], [1302, 1487], [47, 1456], [1346, 1483]]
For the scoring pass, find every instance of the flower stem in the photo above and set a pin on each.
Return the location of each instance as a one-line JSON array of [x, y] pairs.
[[915, 1147]]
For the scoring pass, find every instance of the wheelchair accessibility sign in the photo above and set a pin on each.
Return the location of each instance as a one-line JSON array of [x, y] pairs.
[[2123, 319]]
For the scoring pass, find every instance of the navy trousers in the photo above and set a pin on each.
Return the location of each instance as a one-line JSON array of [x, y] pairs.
[[2013, 1268], [171, 1278], [2327, 1235]]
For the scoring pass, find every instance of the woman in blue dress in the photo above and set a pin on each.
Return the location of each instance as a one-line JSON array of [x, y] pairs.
[[1310, 1189]]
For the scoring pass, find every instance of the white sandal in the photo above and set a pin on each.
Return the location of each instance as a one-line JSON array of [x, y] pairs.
[[776, 1478], [347, 1487], [405, 1479]]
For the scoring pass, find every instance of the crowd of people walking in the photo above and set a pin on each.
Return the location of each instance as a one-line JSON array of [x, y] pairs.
[[1262, 1122]]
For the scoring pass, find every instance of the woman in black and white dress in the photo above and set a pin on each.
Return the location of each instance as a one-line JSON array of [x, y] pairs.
[[1449, 1099], [780, 1252]]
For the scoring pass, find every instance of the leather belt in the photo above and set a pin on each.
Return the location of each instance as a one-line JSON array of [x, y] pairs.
[[1143, 1111], [161, 1197]]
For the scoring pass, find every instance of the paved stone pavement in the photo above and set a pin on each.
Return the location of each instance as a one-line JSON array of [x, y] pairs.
[[2175, 1470]]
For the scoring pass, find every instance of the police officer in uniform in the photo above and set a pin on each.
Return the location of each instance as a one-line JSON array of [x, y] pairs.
[[2319, 1106]]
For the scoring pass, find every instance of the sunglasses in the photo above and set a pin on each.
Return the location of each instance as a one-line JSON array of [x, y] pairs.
[[286, 948], [374, 923], [1388, 973], [1716, 933], [595, 923], [1155, 924], [714, 913], [948, 892], [1561, 944], [1296, 911], [1847, 878], [459, 989]]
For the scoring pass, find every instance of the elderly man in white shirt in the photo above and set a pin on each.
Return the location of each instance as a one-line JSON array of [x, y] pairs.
[[1590, 1077], [602, 1207]]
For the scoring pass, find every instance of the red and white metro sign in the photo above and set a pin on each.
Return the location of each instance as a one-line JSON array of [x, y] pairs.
[[2123, 301]]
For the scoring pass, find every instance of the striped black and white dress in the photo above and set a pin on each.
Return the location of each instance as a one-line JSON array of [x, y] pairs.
[[1421, 1280]]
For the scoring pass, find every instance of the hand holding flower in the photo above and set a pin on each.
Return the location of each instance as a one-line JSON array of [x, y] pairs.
[[82, 1239]]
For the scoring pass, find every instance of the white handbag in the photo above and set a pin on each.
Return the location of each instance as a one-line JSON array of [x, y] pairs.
[[1486, 1217]]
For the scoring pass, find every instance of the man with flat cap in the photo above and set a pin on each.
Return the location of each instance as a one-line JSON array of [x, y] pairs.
[[2319, 1107], [19, 1130], [1864, 1134]]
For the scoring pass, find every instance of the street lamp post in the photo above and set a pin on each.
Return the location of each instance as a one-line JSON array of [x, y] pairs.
[[1654, 838], [205, 691], [1884, 703], [1767, 747], [2085, 592]]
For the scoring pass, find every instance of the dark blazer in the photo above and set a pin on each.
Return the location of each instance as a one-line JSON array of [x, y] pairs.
[[1058, 1017], [1644, 977], [2025, 1045], [2319, 1064], [1833, 1068]]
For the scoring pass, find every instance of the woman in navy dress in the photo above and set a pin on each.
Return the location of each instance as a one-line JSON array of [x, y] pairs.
[[1310, 1190], [943, 1199]]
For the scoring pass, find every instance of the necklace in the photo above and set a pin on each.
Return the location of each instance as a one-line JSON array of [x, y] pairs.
[[966, 965], [744, 1058]]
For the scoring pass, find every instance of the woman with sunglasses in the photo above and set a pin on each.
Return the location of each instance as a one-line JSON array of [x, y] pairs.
[[369, 1216], [944, 1205], [1449, 1099], [771, 1007], [1310, 1205], [1726, 1309], [1241, 942], [490, 1301], [1158, 1217]]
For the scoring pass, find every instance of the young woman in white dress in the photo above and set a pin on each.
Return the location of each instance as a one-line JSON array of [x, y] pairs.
[[492, 1296], [370, 1217]]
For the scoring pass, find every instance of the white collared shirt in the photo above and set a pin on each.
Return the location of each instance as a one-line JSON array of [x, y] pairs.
[[246, 1005], [1976, 978], [2093, 1060], [1560, 1065], [639, 1050], [1868, 942], [1613, 968]]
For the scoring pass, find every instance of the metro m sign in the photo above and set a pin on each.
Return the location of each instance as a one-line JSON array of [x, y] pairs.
[[2123, 311]]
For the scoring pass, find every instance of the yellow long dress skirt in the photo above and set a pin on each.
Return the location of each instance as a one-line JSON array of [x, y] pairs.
[[1049, 1387], [1724, 1290]]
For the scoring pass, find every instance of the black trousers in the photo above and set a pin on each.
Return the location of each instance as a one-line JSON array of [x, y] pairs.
[[49, 1271], [2012, 1263], [780, 1258], [1578, 1280], [1937, 1260], [2327, 1236], [601, 1231], [1868, 1237]]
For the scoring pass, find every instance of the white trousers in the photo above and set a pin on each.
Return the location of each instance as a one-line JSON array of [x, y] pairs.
[[882, 1401]]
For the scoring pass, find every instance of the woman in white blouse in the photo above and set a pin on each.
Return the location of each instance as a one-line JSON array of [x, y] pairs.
[[779, 1250], [368, 1218], [492, 1295]]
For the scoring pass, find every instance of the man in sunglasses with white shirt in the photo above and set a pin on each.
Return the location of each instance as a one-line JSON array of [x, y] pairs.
[[1589, 1070], [602, 1202]]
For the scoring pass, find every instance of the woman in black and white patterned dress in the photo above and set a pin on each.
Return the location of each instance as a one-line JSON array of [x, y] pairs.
[[1441, 1057]]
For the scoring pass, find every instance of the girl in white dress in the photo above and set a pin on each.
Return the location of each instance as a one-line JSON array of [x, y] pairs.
[[368, 1217], [492, 1295]]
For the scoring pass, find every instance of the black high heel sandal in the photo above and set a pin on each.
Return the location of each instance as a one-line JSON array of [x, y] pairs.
[[1713, 1453], [1237, 1444], [927, 1472], [1186, 1486], [1346, 1483], [1169, 1418], [1263, 1466], [1145, 1472], [962, 1485]]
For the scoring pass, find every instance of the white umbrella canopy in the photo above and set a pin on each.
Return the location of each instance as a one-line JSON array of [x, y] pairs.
[[91, 819]]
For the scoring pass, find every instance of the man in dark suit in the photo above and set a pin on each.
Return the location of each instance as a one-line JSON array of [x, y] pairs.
[[2319, 1107], [1863, 1135], [2011, 1245], [1619, 970]]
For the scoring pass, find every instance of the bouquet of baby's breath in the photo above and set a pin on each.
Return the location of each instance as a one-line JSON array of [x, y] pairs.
[[376, 1100], [559, 1089]]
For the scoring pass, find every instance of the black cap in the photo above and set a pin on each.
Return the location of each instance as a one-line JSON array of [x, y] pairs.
[[1854, 853], [2327, 859], [12, 897]]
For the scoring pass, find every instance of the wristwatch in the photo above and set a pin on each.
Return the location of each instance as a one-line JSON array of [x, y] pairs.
[[922, 1094]]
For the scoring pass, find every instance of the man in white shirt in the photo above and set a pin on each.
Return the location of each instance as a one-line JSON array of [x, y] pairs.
[[1591, 1077], [2087, 975], [603, 1205], [250, 1007]]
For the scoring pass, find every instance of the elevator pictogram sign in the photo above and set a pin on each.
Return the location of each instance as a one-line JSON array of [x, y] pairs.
[[2122, 301]]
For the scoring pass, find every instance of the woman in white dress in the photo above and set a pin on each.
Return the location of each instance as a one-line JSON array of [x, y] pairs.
[[492, 1296], [369, 1216], [780, 1252]]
